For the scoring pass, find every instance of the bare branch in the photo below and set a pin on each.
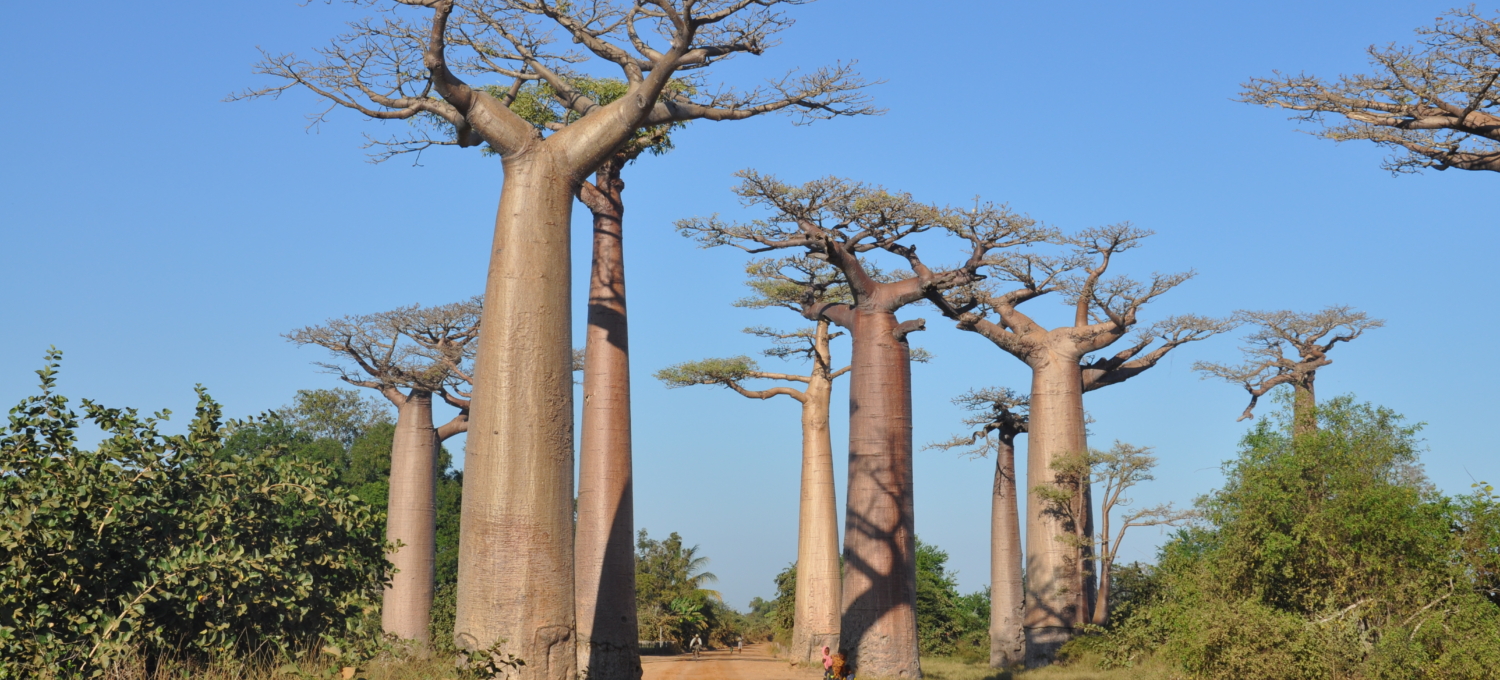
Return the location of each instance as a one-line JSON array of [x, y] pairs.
[[999, 413], [1308, 336], [1435, 104]]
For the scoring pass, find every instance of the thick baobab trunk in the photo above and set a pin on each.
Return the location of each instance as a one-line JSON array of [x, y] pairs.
[[816, 623], [411, 520], [604, 555], [1008, 602], [879, 629], [515, 573], [1055, 430], [1304, 407]]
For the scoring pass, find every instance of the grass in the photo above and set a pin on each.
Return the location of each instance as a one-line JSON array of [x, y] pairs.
[[437, 667], [952, 668]]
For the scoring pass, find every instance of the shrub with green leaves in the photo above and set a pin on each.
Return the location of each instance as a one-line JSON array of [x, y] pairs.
[[154, 544], [1326, 554], [948, 624]]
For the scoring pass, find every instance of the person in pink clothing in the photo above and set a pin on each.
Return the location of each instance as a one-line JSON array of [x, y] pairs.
[[827, 664]]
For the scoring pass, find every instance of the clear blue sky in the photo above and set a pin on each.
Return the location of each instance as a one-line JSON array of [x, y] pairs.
[[163, 238]]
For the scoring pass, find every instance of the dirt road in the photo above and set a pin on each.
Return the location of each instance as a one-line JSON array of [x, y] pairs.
[[755, 664]]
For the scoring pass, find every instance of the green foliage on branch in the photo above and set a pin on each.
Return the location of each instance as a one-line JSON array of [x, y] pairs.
[[171, 545], [707, 371], [1326, 554]]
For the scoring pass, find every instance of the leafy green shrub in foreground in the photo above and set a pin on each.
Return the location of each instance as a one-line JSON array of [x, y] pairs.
[[157, 544], [1325, 555]]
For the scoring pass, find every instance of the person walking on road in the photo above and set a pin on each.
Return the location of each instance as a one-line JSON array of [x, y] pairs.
[[696, 645], [739, 645]]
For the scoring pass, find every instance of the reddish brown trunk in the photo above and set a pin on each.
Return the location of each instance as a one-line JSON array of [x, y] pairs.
[[1007, 639], [411, 520], [515, 574], [1055, 431], [879, 619], [604, 545]]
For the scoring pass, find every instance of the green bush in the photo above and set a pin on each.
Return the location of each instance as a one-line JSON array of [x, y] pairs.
[[157, 545], [948, 624], [1324, 555]]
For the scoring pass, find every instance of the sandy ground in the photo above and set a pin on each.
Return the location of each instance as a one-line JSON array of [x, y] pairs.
[[755, 664]]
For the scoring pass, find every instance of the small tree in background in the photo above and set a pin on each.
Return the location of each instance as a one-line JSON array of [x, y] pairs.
[[408, 355], [1309, 336], [1118, 470], [1437, 105], [1000, 414], [1121, 467], [669, 586], [796, 283]]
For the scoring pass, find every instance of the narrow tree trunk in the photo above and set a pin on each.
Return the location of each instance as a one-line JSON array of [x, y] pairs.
[[515, 574], [1008, 602], [879, 620], [608, 632], [1055, 430], [1101, 606], [1083, 529], [818, 596], [1304, 407], [411, 520], [1106, 564]]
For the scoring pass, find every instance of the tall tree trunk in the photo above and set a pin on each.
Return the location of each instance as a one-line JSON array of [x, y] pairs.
[[879, 620], [608, 632], [515, 574], [1055, 430], [818, 598], [1008, 602], [411, 520], [1304, 407]]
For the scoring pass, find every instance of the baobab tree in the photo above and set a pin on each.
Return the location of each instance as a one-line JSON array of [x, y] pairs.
[[432, 57], [795, 283], [838, 221], [1059, 578], [1000, 414], [604, 549], [1436, 105], [407, 355], [1309, 335]]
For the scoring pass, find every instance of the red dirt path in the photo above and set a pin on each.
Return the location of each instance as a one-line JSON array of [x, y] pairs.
[[755, 664]]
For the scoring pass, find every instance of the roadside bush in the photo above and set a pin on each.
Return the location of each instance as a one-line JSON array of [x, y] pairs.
[[1324, 555], [154, 545]]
